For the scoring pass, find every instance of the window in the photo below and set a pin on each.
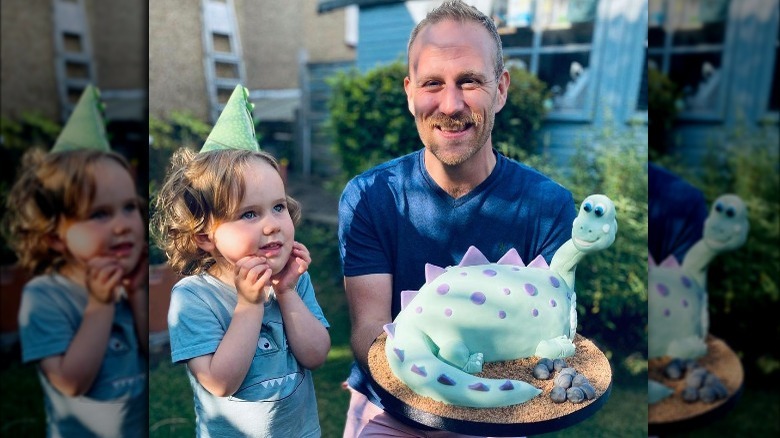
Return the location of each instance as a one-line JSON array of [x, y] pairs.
[[686, 41], [554, 40]]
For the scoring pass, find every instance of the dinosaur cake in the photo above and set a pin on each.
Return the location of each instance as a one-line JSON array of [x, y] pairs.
[[478, 312], [678, 316]]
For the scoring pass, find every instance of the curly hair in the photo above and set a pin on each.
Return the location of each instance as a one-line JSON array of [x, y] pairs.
[[200, 190], [50, 187]]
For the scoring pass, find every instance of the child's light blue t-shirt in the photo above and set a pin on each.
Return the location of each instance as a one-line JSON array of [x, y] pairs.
[[277, 396], [117, 404]]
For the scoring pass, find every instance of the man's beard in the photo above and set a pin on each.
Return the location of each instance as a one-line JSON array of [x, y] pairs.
[[457, 122]]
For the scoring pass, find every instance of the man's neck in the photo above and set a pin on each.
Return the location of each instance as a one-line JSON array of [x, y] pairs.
[[459, 180]]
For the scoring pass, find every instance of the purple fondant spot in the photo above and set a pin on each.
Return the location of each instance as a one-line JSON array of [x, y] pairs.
[[478, 298], [489, 272], [445, 380], [531, 289], [443, 288], [463, 274], [418, 310], [667, 312], [448, 312], [507, 291], [662, 289], [515, 268], [535, 312], [686, 281], [684, 302], [554, 282], [507, 386], [553, 303], [501, 314], [419, 370], [399, 353], [479, 387]]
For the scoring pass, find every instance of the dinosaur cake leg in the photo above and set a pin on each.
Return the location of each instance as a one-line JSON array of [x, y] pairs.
[[555, 348]]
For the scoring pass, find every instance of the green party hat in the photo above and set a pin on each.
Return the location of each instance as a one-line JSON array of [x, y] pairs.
[[235, 128], [85, 128]]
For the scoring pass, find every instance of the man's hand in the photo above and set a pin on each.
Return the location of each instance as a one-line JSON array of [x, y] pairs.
[[104, 274], [297, 264], [252, 276]]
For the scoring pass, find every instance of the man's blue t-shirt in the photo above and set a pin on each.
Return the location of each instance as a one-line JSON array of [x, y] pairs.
[[117, 403], [277, 396], [676, 214], [394, 218]]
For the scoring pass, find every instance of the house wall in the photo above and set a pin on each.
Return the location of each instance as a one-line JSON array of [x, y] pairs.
[[27, 78], [176, 73]]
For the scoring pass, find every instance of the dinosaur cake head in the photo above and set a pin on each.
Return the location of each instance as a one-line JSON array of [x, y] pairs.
[[726, 227], [477, 312], [595, 226]]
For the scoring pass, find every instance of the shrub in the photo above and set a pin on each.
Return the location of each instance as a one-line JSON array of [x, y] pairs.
[[370, 122], [663, 100]]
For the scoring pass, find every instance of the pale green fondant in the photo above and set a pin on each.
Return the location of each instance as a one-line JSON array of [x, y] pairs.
[[657, 391], [678, 316], [475, 313]]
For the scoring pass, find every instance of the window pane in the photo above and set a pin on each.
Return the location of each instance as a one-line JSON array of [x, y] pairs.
[[578, 33], [567, 76], [641, 101], [711, 33], [522, 37], [774, 105], [699, 77], [656, 36]]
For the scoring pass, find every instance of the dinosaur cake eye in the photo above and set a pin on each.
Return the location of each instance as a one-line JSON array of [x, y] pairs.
[[719, 207], [587, 207], [599, 210], [730, 212]]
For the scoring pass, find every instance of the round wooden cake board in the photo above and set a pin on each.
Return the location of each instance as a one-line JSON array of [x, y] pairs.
[[673, 414], [536, 416]]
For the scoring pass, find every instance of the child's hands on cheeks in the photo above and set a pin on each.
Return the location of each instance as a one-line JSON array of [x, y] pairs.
[[103, 276], [138, 278], [252, 275], [297, 264]]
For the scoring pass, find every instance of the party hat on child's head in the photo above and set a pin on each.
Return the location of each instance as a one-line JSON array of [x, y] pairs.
[[85, 128], [235, 128]]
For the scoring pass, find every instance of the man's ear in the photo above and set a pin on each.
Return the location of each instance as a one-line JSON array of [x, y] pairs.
[[204, 242], [407, 88], [503, 90]]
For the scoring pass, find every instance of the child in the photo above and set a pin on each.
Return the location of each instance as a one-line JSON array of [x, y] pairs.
[[245, 319], [75, 222]]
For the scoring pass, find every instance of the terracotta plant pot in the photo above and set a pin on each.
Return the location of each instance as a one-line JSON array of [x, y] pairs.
[[12, 279], [161, 281]]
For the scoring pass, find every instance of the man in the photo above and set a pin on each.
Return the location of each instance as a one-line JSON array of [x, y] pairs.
[[431, 205]]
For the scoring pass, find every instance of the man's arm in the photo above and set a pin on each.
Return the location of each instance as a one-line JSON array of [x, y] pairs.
[[370, 302]]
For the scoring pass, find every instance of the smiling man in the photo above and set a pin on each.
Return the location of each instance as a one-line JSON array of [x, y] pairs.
[[431, 205]]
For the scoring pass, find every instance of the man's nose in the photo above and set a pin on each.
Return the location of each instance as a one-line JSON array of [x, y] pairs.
[[451, 100]]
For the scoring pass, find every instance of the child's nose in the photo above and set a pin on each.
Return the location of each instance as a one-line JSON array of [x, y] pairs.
[[271, 226]]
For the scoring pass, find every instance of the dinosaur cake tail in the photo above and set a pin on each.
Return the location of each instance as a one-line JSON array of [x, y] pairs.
[[415, 363]]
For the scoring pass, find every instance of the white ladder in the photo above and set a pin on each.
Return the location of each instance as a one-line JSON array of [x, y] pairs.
[[222, 55]]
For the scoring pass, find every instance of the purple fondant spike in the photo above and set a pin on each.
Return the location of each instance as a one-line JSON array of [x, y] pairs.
[[670, 262], [432, 271], [651, 260], [473, 257], [507, 386], [399, 353], [419, 370], [390, 330], [407, 296], [445, 380], [479, 387], [511, 258], [539, 262]]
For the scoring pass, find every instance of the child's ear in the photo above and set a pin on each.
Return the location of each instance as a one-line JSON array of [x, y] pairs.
[[56, 243], [204, 242]]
